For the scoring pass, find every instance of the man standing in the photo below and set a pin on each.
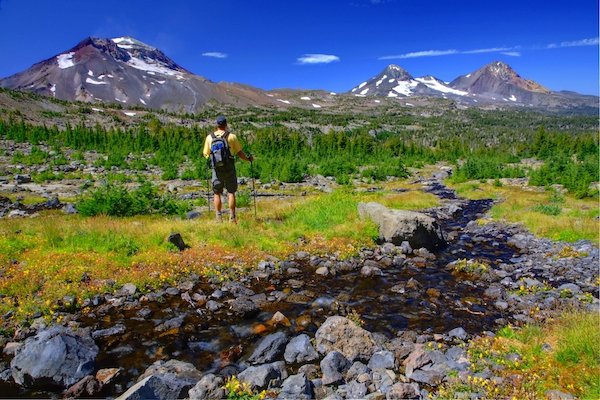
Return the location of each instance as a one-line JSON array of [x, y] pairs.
[[220, 148]]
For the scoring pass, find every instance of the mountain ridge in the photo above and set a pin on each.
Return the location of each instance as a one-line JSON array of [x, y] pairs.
[[128, 71]]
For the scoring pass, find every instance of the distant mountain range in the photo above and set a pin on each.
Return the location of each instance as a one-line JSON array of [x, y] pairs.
[[125, 70], [494, 83]]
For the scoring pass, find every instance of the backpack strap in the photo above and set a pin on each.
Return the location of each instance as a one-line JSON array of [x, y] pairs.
[[213, 136]]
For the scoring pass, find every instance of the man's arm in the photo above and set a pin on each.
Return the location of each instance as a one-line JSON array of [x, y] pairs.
[[244, 157]]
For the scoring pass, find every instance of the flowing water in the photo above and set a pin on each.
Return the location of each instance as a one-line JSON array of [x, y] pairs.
[[439, 302]]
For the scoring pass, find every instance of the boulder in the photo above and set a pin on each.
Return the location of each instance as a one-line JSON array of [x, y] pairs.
[[300, 350], [209, 387], [264, 376], [269, 348], [340, 334], [397, 226], [56, 356]]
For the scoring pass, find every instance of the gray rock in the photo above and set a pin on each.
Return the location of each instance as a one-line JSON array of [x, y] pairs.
[[356, 370], [153, 387], [209, 387], [333, 367], [192, 215], [383, 380], [300, 350], [370, 271], [340, 334], [458, 333], [573, 288], [115, 330], [269, 348], [416, 359], [69, 209], [212, 305], [403, 391], [20, 179], [356, 390], [397, 226], [17, 214], [323, 271], [264, 376], [429, 377], [405, 248], [383, 359], [558, 395], [129, 289], [297, 387], [56, 355], [180, 371], [243, 306]]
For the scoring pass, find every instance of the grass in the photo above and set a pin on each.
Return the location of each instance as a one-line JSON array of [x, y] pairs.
[[563, 354], [44, 259], [542, 212]]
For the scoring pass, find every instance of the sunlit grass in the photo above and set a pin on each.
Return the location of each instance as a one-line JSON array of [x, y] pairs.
[[55, 255], [577, 218], [563, 354]]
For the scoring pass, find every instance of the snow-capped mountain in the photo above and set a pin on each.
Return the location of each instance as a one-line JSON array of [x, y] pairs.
[[499, 80], [127, 71], [394, 81], [495, 83]]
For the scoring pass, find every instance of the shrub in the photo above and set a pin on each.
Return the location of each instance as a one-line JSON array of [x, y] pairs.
[[114, 199]]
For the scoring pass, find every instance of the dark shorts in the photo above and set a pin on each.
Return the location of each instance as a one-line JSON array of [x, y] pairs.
[[224, 178]]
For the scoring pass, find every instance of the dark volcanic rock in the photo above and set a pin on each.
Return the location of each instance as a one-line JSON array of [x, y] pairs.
[[176, 240], [269, 349], [297, 387], [299, 350], [333, 367], [56, 356], [265, 375]]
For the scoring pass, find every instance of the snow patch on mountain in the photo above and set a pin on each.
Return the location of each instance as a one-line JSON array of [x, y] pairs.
[[405, 87], [150, 66], [65, 60], [93, 82], [434, 84]]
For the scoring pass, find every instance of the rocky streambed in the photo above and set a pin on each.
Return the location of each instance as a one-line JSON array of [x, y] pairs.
[[309, 326]]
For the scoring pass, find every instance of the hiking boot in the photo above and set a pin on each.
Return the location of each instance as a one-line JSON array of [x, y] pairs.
[[233, 219], [219, 216]]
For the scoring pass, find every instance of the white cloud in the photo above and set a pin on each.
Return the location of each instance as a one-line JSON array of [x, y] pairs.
[[576, 43], [317, 59], [424, 53], [489, 50], [215, 54], [513, 51]]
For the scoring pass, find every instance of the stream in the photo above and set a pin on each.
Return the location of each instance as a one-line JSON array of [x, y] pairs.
[[420, 295]]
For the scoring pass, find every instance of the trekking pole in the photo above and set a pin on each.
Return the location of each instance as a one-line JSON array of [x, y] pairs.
[[207, 187], [253, 188]]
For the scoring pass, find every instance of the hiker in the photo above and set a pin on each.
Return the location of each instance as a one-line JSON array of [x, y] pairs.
[[220, 149]]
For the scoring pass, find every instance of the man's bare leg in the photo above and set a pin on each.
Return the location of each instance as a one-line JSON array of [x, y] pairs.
[[218, 205], [231, 201]]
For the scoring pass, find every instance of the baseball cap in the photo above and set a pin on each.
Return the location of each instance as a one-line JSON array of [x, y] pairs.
[[221, 120]]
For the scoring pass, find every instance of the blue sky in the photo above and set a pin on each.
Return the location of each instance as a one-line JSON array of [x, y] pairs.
[[331, 45]]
